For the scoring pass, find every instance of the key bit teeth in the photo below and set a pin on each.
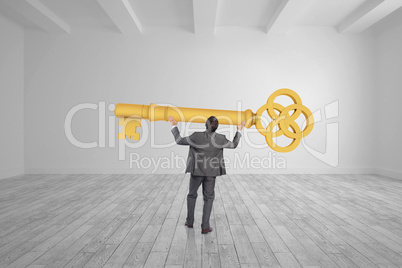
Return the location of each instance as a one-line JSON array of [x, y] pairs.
[[134, 136], [129, 128]]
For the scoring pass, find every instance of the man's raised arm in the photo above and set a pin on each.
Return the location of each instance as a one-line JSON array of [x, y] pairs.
[[176, 133], [233, 144]]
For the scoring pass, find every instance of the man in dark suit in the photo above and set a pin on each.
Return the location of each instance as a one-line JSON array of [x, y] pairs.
[[205, 162]]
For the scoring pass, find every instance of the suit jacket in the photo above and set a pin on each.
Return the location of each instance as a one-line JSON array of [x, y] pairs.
[[205, 156]]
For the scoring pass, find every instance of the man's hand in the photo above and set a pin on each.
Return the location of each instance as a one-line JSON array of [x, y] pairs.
[[173, 122], [240, 127]]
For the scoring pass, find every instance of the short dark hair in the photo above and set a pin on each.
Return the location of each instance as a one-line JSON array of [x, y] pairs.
[[212, 123]]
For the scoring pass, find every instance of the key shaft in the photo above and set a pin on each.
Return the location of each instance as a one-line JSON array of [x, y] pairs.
[[155, 112]]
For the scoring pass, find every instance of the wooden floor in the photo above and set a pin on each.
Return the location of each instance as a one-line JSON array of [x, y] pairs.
[[258, 221]]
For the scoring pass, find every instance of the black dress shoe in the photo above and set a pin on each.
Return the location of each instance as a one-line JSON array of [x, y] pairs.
[[188, 225], [205, 231]]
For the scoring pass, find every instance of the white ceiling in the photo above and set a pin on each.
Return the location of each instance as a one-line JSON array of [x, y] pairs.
[[250, 13], [327, 13], [180, 13], [164, 12], [77, 13]]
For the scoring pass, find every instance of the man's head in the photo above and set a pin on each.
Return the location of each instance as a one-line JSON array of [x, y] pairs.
[[212, 123]]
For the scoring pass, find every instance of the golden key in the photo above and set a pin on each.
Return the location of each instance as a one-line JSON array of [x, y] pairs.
[[130, 116]]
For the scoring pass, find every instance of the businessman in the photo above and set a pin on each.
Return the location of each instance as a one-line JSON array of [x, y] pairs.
[[205, 162]]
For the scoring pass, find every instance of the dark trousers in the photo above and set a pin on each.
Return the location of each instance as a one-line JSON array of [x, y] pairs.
[[208, 191]]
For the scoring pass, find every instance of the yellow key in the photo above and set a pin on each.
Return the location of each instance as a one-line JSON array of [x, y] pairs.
[[130, 116]]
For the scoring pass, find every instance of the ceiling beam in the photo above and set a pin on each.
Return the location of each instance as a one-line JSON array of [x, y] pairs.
[[122, 14], [40, 14], [368, 14], [282, 19], [204, 12]]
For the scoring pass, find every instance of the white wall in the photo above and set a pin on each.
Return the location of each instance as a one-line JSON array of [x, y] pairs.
[[183, 69], [388, 35], [11, 98]]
